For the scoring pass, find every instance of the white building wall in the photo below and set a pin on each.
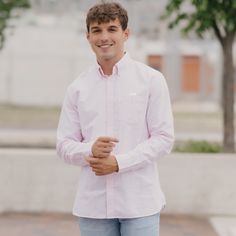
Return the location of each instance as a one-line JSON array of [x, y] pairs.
[[47, 52], [39, 61]]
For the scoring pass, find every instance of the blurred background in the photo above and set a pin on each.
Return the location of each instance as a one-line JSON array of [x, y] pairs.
[[44, 50]]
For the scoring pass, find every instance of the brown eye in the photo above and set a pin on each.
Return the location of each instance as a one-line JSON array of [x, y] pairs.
[[112, 29]]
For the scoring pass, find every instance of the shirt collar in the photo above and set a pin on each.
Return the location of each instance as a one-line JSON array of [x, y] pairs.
[[117, 68]]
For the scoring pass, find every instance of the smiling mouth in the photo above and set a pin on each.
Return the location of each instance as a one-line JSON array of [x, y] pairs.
[[105, 45]]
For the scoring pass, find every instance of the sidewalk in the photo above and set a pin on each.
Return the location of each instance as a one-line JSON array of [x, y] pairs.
[[64, 224], [193, 120], [46, 138]]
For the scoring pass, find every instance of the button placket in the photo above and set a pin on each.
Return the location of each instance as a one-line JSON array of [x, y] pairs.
[[110, 132]]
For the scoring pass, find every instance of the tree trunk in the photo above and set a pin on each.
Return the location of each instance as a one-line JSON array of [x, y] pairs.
[[228, 94]]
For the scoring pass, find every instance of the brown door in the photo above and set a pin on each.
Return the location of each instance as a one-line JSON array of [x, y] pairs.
[[191, 74], [155, 61]]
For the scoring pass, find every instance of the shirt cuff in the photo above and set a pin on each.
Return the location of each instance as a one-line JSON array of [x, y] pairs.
[[89, 147], [127, 162], [123, 162]]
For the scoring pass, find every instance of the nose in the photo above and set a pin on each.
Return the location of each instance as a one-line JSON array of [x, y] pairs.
[[104, 36]]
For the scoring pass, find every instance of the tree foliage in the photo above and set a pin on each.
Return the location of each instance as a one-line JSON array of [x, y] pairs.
[[6, 9], [219, 17], [204, 15]]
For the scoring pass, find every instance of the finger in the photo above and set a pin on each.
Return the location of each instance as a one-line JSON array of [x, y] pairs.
[[96, 169], [106, 150], [99, 152], [105, 145], [99, 174], [93, 163], [92, 160], [87, 159], [102, 155]]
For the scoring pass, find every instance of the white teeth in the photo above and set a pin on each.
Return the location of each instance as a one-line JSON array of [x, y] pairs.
[[105, 45]]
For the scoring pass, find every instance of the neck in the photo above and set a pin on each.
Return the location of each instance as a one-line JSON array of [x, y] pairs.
[[107, 65]]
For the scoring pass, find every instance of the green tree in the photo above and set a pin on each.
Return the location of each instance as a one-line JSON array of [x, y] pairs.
[[6, 8], [218, 17]]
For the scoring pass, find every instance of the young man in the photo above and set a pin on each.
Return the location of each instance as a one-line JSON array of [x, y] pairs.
[[116, 121]]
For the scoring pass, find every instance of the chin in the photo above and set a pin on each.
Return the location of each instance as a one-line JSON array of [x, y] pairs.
[[106, 57]]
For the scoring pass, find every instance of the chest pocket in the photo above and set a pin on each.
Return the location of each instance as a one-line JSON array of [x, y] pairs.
[[132, 108]]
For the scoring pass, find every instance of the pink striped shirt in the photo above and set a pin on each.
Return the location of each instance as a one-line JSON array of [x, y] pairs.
[[132, 105]]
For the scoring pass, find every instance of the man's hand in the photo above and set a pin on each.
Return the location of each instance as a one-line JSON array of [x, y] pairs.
[[103, 166], [103, 146]]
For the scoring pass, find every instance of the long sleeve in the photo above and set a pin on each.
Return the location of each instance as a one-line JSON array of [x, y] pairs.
[[160, 128], [70, 146]]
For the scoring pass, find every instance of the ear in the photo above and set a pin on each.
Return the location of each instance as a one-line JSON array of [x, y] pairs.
[[88, 36], [126, 33]]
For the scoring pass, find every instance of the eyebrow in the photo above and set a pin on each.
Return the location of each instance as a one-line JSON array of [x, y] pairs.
[[113, 26], [94, 27]]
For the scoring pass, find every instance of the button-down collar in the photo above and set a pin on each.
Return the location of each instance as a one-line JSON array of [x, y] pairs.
[[117, 68]]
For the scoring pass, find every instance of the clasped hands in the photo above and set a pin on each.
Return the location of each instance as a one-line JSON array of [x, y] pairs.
[[102, 162]]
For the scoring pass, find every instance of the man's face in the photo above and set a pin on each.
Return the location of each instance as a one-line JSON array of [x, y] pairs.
[[107, 40]]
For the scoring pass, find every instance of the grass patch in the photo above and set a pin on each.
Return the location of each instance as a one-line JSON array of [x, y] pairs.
[[199, 147]]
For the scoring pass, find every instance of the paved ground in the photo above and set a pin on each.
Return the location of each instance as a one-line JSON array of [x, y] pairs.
[[46, 138], [36, 127], [63, 224], [40, 126], [224, 226]]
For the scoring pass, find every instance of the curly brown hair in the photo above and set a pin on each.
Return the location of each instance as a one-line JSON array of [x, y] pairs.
[[106, 12]]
